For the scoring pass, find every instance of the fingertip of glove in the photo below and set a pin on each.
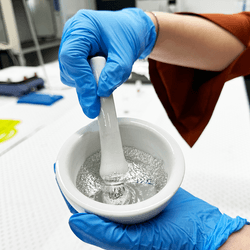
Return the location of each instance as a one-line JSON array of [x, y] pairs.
[[79, 226], [92, 114], [91, 229], [74, 219], [84, 221], [91, 107], [54, 168]]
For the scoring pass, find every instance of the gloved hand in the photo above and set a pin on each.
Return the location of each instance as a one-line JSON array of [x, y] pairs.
[[186, 223], [120, 36]]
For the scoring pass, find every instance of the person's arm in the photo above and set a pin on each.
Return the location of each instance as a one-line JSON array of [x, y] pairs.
[[193, 42], [183, 40], [238, 240]]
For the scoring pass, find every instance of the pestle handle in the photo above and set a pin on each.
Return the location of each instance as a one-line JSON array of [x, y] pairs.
[[112, 156]]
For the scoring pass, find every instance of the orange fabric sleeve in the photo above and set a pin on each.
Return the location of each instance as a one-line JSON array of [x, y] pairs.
[[189, 95]]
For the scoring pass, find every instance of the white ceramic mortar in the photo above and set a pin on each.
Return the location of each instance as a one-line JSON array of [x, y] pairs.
[[134, 133]]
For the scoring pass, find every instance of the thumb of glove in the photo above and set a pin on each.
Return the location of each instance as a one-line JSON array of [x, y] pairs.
[[113, 75]]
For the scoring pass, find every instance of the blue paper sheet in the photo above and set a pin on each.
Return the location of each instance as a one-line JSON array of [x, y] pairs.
[[41, 99]]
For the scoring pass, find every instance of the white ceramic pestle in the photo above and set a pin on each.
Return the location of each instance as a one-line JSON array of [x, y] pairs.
[[113, 163]]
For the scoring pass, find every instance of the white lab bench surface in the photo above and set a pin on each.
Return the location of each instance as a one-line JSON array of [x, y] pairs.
[[33, 214]]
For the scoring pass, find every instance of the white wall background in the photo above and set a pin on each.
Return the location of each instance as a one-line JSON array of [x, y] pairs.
[[70, 7], [198, 6], [153, 5], [213, 6]]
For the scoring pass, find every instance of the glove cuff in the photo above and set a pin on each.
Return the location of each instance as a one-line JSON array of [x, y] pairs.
[[150, 36], [224, 228]]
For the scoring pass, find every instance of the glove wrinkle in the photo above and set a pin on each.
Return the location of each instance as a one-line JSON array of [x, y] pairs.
[[224, 228]]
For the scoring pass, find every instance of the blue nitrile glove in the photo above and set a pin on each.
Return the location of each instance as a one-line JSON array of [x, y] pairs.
[[120, 36], [186, 223]]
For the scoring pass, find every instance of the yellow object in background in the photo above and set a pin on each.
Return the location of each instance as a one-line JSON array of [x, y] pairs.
[[7, 129]]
